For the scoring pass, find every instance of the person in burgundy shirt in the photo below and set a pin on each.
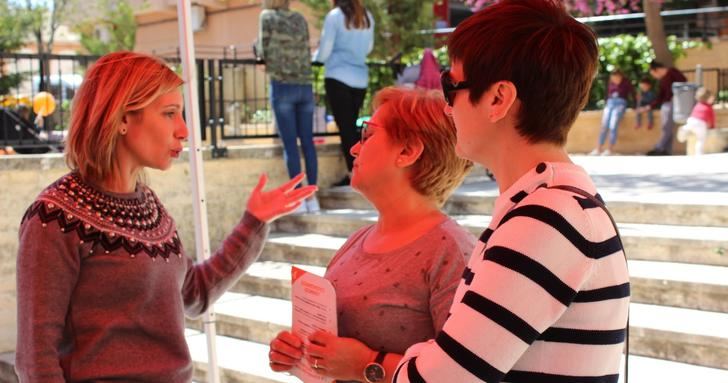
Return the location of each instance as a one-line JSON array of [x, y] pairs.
[[666, 76], [619, 91]]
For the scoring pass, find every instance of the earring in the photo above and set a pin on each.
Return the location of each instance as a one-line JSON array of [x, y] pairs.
[[122, 131]]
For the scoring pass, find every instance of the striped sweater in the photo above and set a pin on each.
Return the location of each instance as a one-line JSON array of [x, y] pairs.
[[544, 297]]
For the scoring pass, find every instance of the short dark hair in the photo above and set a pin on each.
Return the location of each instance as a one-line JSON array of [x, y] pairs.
[[550, 57], [654, 64], [646, 80]]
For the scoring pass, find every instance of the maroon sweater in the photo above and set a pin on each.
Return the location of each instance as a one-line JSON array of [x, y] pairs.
[[665, 92], [104, 285]]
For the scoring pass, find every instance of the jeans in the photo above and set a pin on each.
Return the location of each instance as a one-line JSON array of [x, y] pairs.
[[613, 113], [650, 118], [345, 103], [293, 107], [664, 144]]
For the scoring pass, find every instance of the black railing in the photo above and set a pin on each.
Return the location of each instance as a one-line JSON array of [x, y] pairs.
[[22, 77], [233, 98]]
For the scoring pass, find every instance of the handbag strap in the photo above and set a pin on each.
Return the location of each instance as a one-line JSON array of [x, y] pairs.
[[599, 203]]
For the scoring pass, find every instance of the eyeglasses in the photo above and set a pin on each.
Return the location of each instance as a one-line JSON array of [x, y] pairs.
[[449, 88], [365, 134]]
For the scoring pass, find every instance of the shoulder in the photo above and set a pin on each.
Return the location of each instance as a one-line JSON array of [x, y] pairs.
[[448, 241], [335, 15]]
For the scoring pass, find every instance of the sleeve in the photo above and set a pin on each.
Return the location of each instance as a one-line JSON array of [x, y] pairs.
[[207, 281], [328, 36], [48, 266], [492, 326], [261, 46], [444, 277], [711, 117]]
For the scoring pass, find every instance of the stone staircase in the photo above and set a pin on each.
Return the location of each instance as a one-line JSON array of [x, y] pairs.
[[676, 238], [675, 230]]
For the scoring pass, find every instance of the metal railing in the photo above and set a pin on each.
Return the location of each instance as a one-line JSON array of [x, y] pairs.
[[233, 97]]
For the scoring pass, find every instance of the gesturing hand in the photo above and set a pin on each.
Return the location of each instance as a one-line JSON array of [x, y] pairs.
[[285, 351], [337, 357], [267, 206]]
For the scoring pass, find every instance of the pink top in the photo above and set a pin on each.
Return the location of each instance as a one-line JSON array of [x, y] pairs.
[[704, 111]]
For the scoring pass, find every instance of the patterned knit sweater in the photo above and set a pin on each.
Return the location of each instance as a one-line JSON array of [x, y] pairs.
[[104, 285], [544, 297]]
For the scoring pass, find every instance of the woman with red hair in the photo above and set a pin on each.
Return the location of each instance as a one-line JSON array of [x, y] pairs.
[[394, 279], [103, 281]]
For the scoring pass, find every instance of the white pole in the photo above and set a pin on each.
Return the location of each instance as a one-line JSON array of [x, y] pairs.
[[199, 206]]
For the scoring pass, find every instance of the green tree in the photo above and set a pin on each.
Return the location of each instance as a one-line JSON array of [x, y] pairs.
[[398, 24], [14, 28], [113, 31]]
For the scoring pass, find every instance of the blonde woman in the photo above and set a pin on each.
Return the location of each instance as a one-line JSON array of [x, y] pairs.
[[103, 281], [395, 279], [346, 40]]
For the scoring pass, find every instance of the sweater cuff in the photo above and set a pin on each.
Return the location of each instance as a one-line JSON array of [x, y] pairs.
[[252, 222]]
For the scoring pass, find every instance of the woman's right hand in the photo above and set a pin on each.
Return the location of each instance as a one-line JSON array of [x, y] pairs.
[[286, 350]]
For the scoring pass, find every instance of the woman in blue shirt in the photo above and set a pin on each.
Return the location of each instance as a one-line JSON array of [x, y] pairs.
[[346, 40]]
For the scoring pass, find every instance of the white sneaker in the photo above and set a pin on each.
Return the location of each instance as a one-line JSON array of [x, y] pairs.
[[607, 153], [312, 204], [594, 152], [301, 209]]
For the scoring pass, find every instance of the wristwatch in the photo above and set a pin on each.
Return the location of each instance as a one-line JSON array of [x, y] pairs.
[[374, 371]]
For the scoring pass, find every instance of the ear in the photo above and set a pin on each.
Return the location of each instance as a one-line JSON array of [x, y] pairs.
[[501, 95], [410, 153]]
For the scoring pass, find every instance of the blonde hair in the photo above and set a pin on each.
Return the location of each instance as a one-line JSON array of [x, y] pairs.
[[419, 114], [703, 95], [117, 83], [276, 4]]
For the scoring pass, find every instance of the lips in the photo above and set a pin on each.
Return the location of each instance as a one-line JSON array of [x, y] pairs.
[[176, 152]]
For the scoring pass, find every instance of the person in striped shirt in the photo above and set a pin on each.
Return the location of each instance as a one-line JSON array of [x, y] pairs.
[[545, 295]]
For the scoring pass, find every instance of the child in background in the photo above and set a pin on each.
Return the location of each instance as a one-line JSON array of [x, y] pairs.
[[619, 91], [701, 119], [644, 98]]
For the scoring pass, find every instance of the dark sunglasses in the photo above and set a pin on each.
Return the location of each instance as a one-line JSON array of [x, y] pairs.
[[449, 88]]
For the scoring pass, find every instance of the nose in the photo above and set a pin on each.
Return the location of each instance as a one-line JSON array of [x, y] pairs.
[[448, 110], [355, 149], [181, 132]]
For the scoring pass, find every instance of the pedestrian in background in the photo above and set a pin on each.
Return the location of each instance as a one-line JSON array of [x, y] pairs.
[[701, 119], [283, 47], [346, 40], [645, 97], [619, 92], [666, 76]]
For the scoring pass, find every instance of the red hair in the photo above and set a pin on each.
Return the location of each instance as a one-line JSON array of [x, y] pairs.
[[419, 114], [117, 83]]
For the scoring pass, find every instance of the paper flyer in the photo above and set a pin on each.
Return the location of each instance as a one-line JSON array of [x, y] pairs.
[[314, 308]]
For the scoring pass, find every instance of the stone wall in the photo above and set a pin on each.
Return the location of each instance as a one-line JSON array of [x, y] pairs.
[[227, 182]]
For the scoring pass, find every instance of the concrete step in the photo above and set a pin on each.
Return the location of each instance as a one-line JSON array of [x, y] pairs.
[[271, 279], [683, 285], [242, 361], [467, 200], [677, 334], [239, 361], [253, 368], [659, 283], [254, 318], [675, 190], [684, 244]]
